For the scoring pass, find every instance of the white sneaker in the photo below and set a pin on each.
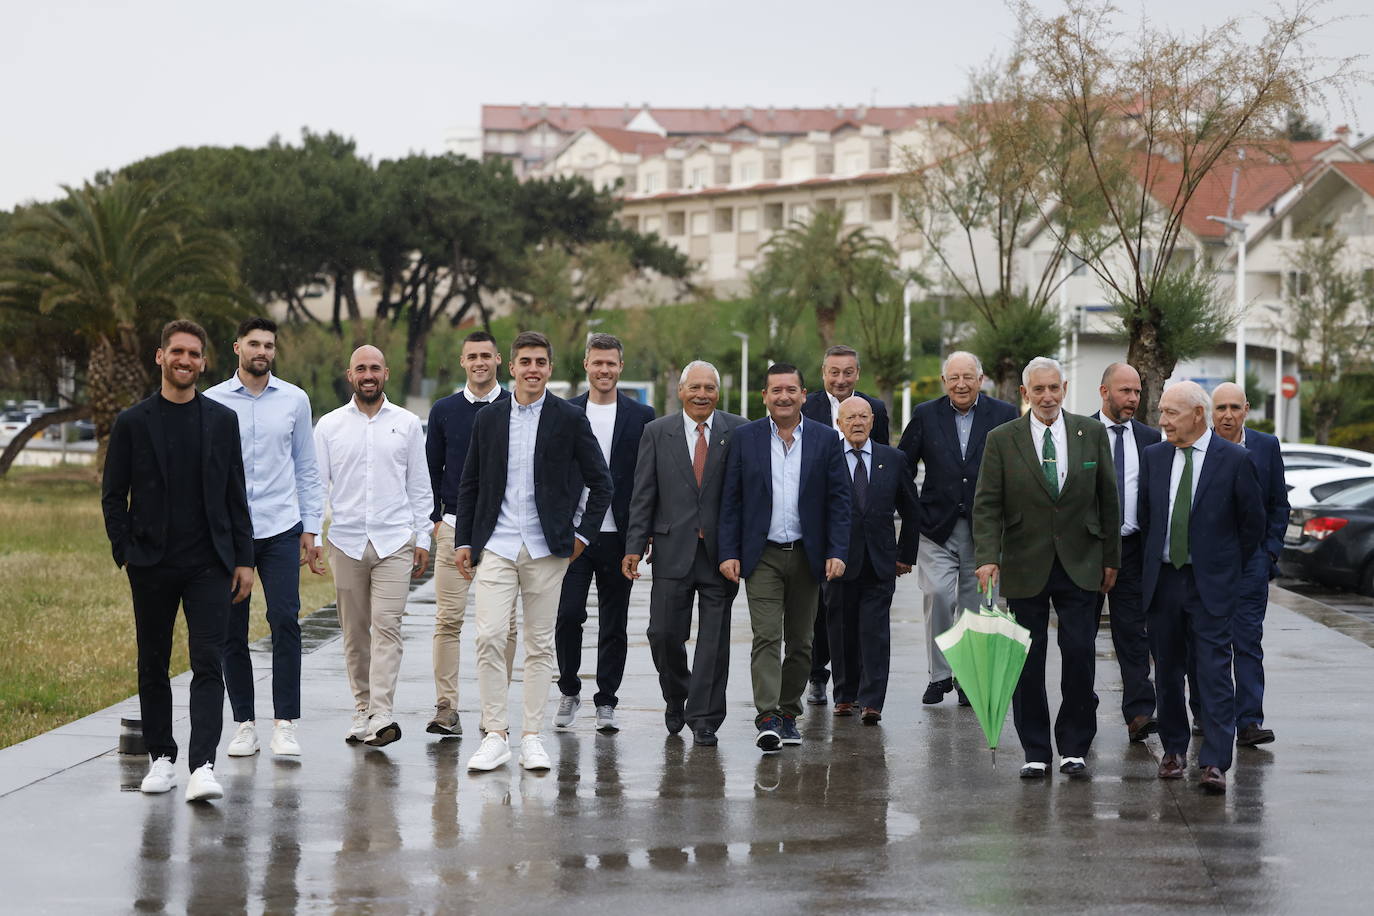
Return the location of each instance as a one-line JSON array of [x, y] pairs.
[[203, 785], [284, 741], [532, 753], [605, 719], [245, 740], [567, 711], [162, 777], [494, 751], [358, 730]]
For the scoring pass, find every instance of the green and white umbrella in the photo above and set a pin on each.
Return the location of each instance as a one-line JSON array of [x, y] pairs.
[[986, 649]]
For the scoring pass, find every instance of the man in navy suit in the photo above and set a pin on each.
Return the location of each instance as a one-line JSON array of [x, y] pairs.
[[1229, 410], [784, 529], [840, 376], [1120, 392], [859, 602], [947, 435], [1203, 518], [617, 422]]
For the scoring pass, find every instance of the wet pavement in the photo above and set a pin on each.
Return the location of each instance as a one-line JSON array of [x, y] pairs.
[[909, 816]]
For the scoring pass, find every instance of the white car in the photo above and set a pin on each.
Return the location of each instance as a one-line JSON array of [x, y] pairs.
[[1302, 456], [1311, 485]]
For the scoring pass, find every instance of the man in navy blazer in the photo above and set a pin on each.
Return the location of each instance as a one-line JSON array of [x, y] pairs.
[[1120, 393], [859, 602], [839, 375], [1229, 410], [1203, 519], [617, 421], [947, 435], [784, 529]]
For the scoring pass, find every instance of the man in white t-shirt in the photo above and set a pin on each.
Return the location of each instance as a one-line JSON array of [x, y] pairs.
[[617, 421]]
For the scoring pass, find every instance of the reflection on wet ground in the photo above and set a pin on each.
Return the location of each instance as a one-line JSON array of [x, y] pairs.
[[907, 816]]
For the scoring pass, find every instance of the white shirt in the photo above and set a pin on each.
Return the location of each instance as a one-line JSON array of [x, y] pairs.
[[852, 459], [374, 471], [518, 521], [834, 411], [1176, 474], [602, 419], [489, 398], [1059, 433], [689, 427], [1130, 523], [785, 524]]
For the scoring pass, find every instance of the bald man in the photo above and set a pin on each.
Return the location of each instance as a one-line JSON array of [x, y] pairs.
[[1230, 407], [372, 463]]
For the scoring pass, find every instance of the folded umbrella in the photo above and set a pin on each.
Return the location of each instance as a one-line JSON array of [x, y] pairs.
[[986, 649]]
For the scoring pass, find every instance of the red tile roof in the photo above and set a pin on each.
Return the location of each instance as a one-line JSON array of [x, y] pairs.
[[1360, 174], [632, 141], [1262, 181], [709, 121]]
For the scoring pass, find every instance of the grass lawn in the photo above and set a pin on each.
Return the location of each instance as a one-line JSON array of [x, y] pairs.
[[66, 622]]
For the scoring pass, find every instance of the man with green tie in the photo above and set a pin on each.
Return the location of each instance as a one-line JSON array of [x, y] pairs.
[[1046, 529]]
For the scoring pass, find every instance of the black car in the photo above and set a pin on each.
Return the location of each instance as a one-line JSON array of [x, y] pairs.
[[1332, 541]]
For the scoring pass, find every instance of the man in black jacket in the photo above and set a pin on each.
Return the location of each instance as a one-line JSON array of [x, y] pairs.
[[947, 435], [176, 513]]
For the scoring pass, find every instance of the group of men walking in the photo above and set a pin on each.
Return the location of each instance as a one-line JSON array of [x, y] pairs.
[[529, 499]]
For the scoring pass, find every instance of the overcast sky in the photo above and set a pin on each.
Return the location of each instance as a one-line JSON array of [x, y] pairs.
[[93, 85]]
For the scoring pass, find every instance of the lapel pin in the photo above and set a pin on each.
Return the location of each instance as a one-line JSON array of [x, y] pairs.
[[1080, 432], [880, 467]]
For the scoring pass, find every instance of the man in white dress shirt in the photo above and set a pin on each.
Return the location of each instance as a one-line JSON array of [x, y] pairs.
[[372, 462]]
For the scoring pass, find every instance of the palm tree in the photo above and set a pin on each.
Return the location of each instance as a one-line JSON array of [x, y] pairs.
[[818, 264], [112, 263]]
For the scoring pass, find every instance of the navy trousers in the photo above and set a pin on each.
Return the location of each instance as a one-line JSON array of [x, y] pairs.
[[1247, 635], [277, 560], [600, 561], [859, 617], [1130, 640]]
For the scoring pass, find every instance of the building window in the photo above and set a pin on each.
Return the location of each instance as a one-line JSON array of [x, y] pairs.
[[748, 219], [748, 172], [631, 223], [508, 143], [772, 216], [653, 224], [698, 177], [880, 208], [700, 222], [725, 219], [677, 223], [652, 182], [853, 211], [827, 204], [799, 213]]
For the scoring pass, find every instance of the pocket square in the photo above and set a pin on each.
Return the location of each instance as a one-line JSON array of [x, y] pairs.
[[1089, 464]]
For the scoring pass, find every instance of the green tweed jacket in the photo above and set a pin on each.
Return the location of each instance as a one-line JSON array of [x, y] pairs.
[[1019, 526]]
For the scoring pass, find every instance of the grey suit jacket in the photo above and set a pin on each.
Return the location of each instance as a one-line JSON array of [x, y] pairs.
[[667, 504]]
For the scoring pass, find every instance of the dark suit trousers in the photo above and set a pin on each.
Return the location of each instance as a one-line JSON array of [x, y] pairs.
[[820, 642], [1247, 634], [1129, 637], [701, 690], [157, 592], [1076, 725], [1178, 621], [277, 560], [600, 561], [860, 636]]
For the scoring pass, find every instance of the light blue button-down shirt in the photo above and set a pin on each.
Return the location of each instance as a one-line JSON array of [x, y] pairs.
[[963, 425], [786, 462], [279, 466], [518, 521]]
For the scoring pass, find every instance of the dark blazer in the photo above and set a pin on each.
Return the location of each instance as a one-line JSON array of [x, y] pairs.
[[951, 478], [566, 458], [872, 533], [668, 506], [746, 502], [133, 491], [1020, 526], [446, 447], [630, 419], [817, 407], [1143, 436], [1268, 460], [1225, 526]]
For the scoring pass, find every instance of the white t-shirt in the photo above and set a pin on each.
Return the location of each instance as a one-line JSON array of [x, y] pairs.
[[602, 418]]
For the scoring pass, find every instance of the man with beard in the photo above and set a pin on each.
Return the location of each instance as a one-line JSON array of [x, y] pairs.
[[287, 503], [177, 518], [372, 461]]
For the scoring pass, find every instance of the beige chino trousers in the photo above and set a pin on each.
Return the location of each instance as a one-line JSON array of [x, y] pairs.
[[371, 601], [450, 608]]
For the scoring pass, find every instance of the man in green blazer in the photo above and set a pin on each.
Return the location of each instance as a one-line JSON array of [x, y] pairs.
[[1046, 525]]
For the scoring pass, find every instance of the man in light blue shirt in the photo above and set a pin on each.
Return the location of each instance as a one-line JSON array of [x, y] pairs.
[[286, 501]]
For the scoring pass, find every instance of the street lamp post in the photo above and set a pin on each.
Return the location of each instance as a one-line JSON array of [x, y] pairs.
[[906, 353], [743, 373], [1237, 226]]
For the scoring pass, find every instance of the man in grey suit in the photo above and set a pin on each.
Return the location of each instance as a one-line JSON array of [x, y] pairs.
[[678, 477]]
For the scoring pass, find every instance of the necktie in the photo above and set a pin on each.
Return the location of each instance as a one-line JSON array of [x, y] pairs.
[[699, 453], [1178, 519], [1048, 463], [1119, 459], [860, 478]]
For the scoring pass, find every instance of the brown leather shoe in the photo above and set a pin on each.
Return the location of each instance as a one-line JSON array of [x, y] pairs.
[[1171, 766], [844, 709], [1213, 781], [1140, 728], [870, 716]]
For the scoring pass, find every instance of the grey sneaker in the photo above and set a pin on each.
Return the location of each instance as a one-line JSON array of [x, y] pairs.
[[605, 719], [567, 711], [445, 722]]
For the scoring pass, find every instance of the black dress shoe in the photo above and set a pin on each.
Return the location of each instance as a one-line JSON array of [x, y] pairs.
[[815, 694], [704, 736], [963, 697], [674, 719], [1031, 771], [936, 690], [1140, 728], [1073, 768], [1254, 735]]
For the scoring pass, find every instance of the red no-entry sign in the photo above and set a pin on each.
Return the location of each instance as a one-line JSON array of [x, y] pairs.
[[1289, 387]]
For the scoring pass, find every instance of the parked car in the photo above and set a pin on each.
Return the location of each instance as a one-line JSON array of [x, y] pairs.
[[1332, 541], [1316, 484], [1299, 456], [11, 422]]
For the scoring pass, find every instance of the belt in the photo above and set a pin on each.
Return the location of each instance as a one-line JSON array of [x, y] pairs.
[[788, 545]]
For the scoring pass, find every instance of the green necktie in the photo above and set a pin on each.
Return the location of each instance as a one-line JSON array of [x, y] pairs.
[[1178, 519], [1049, 462]]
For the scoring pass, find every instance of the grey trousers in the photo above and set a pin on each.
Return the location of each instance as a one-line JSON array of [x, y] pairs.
[[946, 575]]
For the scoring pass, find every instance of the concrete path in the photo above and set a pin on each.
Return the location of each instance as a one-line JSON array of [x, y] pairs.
[[909, 816]]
